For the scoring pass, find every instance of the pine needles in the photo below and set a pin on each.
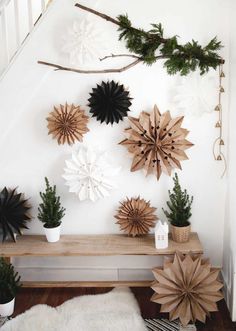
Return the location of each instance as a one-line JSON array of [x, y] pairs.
[[50, 211], [151, 45], [179, 205]]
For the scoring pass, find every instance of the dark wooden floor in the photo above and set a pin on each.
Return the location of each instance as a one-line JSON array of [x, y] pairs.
[[220, 321]]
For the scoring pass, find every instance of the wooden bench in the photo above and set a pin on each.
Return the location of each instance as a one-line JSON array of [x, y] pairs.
[[93, 245]]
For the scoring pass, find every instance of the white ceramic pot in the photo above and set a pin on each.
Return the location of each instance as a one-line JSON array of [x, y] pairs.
[[53, 234], [7, 309]]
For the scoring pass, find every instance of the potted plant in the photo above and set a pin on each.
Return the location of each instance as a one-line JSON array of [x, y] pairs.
[[50, 212], [179, 212], [9, 286]]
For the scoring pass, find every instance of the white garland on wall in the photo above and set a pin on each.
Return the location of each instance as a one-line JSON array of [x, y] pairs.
[[89, 174], [195, 95], [83, 42]]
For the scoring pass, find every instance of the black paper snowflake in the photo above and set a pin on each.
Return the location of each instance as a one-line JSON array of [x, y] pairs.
[[13, 213], [109, 102]]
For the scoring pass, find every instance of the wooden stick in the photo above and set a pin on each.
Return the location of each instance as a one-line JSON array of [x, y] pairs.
[[92, 11], [120, 55], [104, 71]]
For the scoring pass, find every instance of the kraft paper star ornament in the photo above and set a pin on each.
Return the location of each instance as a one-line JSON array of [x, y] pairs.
[[135, 216], [187, 287], [67, 124], [157, 142]]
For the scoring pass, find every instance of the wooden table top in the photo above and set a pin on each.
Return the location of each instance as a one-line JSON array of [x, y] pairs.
[[95, 245]]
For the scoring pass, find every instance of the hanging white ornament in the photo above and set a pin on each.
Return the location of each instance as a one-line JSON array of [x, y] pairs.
[[89, 174], [83, 42], [195, 94]]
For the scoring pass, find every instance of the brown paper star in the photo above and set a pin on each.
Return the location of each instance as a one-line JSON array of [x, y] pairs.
[[157, 142], [135, 216], [67, 124], [187, 288]]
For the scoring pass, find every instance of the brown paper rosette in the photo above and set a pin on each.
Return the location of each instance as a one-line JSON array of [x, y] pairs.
[[67, 124], [135, 216], [187, 287]]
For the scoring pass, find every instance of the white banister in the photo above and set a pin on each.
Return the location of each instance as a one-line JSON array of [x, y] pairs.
[[30, 14], [17, 19], [3, 4], [17, 25], [43, 5], [5, 35]]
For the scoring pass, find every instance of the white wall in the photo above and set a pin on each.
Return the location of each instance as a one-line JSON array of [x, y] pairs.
[[29, 91], [229, 248]]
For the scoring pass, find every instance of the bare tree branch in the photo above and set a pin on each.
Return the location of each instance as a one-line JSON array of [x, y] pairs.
[[81, 71], [120, 55], [104, 16]]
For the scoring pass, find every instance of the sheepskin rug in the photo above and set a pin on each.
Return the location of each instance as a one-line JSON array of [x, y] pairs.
[[116, 310]]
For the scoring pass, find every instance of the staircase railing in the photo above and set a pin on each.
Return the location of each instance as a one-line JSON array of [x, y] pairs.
[[17, 19]]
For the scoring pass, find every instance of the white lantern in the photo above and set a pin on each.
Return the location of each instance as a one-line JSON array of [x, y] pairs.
[[161, 235]]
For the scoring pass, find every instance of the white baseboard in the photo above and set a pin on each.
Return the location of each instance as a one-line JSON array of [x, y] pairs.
[[83, 274]]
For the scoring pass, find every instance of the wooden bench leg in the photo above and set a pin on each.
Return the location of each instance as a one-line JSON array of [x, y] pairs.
[[7, 259]]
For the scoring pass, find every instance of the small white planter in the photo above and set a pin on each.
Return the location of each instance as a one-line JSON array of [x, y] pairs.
[[7, 309], [53, 234]]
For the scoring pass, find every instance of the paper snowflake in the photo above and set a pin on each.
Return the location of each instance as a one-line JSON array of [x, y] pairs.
[[109, 102], [83, 43], [195, 95], [89, 174]]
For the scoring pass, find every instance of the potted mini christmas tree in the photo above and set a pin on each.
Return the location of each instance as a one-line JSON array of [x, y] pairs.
[[179, 212], [51, 212], [9, 286]]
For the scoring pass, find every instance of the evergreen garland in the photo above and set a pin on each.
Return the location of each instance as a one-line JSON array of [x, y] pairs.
[[180, 205], [50, 210], [9, 282], [180, 58]]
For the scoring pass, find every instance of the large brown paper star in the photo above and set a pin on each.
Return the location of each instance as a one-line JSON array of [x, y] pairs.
[[157, 142], [187, 288]]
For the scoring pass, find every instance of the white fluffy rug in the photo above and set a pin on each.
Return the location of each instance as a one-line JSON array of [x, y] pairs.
[[117, 310]]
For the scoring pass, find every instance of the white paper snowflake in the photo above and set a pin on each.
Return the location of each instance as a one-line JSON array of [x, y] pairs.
[[89, 174], [196, 94], [83, 42]]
